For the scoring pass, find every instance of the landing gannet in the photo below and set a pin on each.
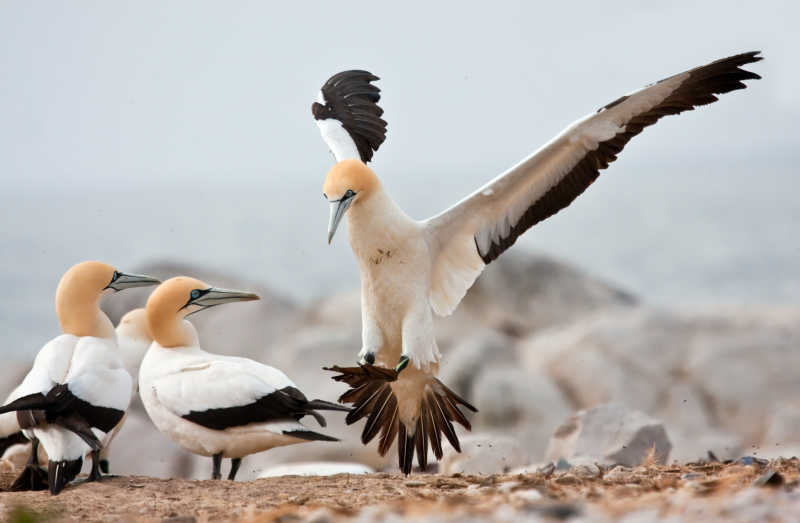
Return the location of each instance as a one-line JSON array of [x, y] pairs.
[[218, 406], [77, 390], [411, 269]]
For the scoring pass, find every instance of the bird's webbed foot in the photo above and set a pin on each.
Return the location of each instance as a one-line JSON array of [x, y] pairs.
[[402, 364], [95, 474]]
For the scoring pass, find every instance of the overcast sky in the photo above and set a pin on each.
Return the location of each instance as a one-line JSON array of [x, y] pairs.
[[110, 90], [109, 110]]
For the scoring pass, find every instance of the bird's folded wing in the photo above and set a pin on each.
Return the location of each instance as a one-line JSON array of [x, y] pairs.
[[476, 230], [226, 393]]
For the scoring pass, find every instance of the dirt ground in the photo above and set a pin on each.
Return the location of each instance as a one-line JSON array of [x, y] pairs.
[[714, 489]]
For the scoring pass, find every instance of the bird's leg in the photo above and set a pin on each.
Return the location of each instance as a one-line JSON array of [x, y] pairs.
[[32, 476], [402, 364], [235, 462], [371, 335], [217, 459], [104, 466], [95, 475]]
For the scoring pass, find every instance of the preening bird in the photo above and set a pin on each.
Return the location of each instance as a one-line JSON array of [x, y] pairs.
[[412, 269], [212, 405], [77, 390], [133, 340]]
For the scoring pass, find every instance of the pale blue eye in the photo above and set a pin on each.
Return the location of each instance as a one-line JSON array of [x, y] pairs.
[[195, 294]]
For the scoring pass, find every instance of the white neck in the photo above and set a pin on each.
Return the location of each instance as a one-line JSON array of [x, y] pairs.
[[376, 222]]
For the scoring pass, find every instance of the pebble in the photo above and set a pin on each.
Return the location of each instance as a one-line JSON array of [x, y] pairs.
[[415, 483], [691, 475], [752, 460], [771, 478], [617, 474], [567, 479], [586, 471]]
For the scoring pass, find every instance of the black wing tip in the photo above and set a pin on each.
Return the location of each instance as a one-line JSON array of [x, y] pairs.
[[352, 99], [309, 435]]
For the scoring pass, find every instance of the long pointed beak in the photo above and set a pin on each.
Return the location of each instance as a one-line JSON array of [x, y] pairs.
[[338, 208], [213, 297], [129, 281]]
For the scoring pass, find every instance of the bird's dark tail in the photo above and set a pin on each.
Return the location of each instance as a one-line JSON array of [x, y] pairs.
[[372, 396], [309, 435], [36, 409], [36, 401]]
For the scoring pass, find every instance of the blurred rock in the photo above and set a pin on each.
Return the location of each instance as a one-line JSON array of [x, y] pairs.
[[484, 454], [474, 354], [319, 468], [526, 405], [715, 376], [611, 434], [523, 291]]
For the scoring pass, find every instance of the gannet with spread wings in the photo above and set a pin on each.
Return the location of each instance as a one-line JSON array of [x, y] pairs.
[[412, 269]]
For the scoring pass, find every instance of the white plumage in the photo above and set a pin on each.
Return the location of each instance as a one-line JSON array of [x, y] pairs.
[[411, 269], [213, 405], [77, 390]]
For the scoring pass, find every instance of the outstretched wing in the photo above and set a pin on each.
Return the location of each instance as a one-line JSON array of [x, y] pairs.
[[348, 115], [475, 231]]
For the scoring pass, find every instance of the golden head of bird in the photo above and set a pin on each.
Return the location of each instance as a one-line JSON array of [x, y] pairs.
[[179, 297], [350, 182], [133, 325], [81, 288]]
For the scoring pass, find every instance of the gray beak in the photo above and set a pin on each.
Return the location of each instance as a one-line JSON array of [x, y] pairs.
[[121, 281], [213, 297], [338, 208]]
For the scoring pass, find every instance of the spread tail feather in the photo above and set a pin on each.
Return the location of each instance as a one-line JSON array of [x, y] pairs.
[[372, 397]]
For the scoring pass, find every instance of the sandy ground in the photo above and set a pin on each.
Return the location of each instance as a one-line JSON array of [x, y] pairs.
[[714, 490]]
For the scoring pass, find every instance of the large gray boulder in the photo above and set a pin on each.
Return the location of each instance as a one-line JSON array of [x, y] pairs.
[[523, 291], [717, 377], [610, 434]]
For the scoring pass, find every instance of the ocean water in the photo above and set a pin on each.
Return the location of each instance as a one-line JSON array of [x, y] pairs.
[[673, 235]]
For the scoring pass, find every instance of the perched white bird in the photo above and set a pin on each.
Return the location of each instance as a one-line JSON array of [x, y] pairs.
[[133, 340], [411, 269], [77, 390], [212, 405]]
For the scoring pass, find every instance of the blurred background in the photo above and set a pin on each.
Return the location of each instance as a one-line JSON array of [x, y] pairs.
[[177, 136]]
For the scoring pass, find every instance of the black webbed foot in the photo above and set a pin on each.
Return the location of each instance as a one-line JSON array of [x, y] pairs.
[[402, 364]]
